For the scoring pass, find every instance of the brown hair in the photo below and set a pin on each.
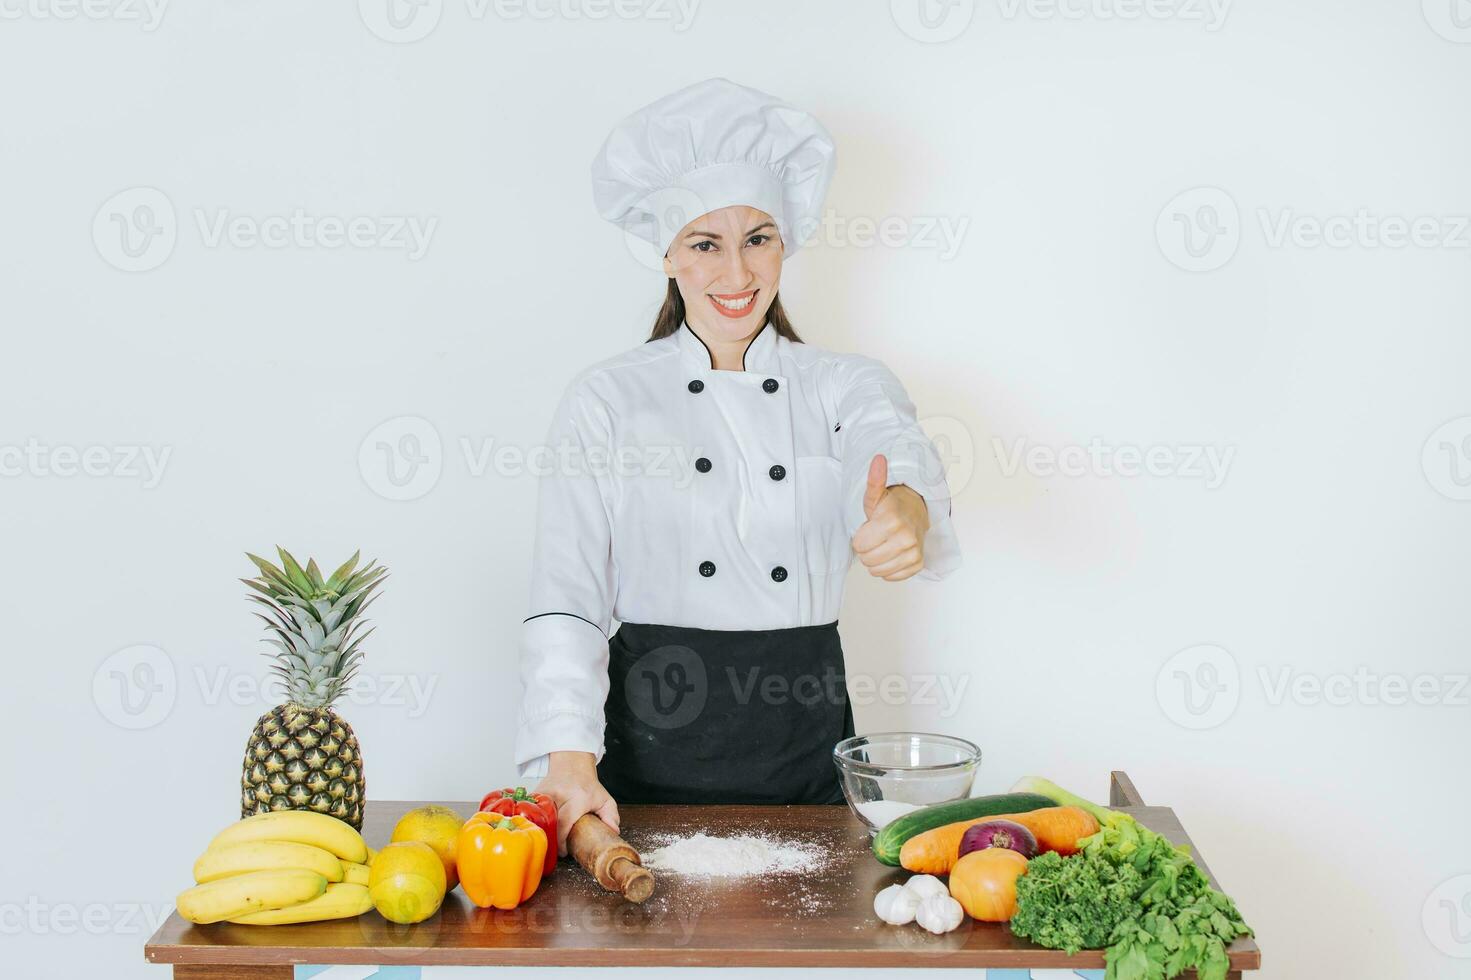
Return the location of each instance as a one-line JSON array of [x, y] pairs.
[[671, 316]]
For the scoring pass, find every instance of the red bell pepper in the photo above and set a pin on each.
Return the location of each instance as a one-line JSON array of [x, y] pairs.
[[536, 807]]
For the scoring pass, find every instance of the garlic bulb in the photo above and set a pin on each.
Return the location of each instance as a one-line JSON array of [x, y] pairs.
[[939, 914], [926, 885], [896, 905]]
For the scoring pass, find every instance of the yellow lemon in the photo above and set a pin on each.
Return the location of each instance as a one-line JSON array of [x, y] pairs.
[[406, 882], [437, 826]]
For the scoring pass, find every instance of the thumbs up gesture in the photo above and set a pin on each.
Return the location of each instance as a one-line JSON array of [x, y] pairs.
[[891, 541]]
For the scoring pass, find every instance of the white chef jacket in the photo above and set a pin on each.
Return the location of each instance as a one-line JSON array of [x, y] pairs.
[[675, 494]]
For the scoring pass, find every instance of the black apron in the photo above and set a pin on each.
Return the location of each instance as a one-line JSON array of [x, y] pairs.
[[724, 716]]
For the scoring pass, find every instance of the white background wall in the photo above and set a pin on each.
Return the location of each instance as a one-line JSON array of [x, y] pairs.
[[1056, 142]]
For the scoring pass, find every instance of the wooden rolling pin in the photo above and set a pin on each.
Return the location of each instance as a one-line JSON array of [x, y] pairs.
[[609, 859]]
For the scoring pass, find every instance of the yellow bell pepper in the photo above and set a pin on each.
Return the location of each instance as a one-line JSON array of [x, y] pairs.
[[500, 859]]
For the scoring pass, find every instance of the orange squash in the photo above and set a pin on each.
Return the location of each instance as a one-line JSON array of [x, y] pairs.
[[1057, 828], [984, 883]]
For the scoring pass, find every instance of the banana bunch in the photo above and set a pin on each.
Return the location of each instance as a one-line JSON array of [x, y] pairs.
[[278, 868]]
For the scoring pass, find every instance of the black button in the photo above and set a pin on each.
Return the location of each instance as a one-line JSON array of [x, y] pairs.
[[702, 464], [778, 574], [769, 385], [696, 386], [707, 568], [778, 472]]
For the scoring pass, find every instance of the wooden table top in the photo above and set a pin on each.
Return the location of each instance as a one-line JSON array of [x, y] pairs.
[[822, 919]]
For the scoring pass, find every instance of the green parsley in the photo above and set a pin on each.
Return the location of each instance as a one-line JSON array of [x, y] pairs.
[[1137, 894]]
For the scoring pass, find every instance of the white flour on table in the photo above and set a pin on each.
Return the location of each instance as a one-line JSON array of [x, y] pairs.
[[731, 857]]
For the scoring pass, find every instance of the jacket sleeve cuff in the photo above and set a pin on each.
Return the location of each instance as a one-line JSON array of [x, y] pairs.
[[942, 554], [561, 731], [534, 770], [915, 466], [564, 675]]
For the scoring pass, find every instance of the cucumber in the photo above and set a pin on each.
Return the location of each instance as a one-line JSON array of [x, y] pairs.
[[889, 839]]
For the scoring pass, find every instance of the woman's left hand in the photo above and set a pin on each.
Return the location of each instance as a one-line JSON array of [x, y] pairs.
[[891, 542]]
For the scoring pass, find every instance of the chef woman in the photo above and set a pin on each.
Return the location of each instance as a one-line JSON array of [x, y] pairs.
[[710, 488]]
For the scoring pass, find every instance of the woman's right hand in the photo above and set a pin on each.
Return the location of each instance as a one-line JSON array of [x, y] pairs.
[[572, 783]]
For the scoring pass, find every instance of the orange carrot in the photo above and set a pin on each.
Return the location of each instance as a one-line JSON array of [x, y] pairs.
[[1057, 828]]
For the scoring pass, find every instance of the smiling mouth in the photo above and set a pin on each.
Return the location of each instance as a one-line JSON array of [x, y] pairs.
[[733, 304]]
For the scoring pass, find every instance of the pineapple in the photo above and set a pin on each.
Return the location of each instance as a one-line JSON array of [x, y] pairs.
[[302, 755]]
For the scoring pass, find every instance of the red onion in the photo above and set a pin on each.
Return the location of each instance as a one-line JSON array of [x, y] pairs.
[[999, 833]]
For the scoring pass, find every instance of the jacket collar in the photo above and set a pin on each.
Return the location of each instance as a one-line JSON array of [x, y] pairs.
[[760, 355]]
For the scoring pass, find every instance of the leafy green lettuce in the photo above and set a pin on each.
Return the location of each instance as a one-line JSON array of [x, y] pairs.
[[1137, 894]]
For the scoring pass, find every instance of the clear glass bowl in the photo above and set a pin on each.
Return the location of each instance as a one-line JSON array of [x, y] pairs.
[[887, 774]]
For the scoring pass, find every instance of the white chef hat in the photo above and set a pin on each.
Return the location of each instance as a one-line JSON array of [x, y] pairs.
[[708, 146]]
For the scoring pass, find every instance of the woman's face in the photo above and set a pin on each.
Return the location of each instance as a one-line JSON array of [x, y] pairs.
[[727, 264]]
